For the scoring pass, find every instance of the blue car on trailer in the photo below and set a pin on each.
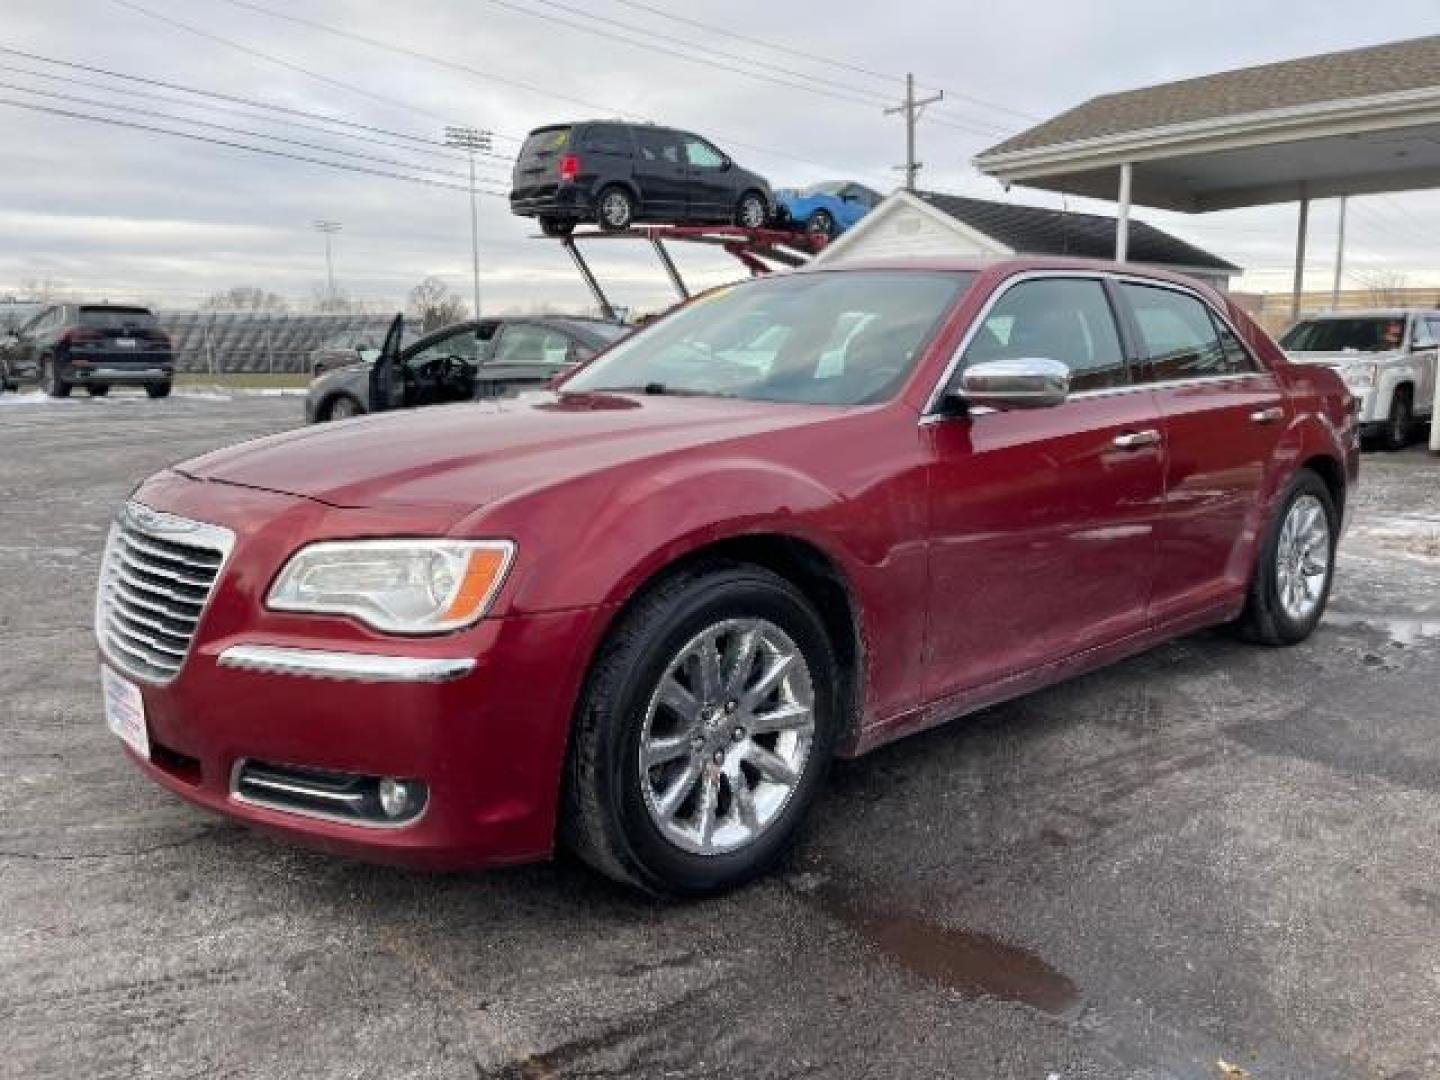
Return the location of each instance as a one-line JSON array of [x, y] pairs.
[[829, 208]]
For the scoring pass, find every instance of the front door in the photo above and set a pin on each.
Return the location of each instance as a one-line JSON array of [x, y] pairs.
[[1043, 521], [1222, 415], [711, 180], [661, 173]]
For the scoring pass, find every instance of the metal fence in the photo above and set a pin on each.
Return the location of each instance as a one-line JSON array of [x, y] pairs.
[[236, 342]]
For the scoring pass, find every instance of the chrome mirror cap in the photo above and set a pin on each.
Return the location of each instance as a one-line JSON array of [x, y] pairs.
[[1030, 382]]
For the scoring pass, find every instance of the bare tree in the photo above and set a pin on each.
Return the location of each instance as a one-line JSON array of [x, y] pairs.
[[1386, 287], [245, 298], [434, 305]]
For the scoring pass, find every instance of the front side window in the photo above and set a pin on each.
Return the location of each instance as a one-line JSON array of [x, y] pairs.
[[1365, 333], [702, 155], [462, 344], [1177, 334], [1064, 319], [840, 338]]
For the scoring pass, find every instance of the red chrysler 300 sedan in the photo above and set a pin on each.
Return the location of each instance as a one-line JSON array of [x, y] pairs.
[[798, 517]]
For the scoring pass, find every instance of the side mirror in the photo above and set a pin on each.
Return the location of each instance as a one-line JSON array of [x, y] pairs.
[[1031, 382]]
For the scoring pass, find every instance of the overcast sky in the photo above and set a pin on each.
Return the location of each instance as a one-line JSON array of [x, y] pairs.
[[126, 213]]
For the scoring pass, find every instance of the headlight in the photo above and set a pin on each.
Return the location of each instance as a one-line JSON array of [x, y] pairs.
[[399, 586], [1358, 376]]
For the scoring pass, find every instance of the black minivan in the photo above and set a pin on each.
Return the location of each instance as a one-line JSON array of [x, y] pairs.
[[620, 173]]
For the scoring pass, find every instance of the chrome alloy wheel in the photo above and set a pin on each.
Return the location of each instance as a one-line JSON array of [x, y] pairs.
[[727, 735], [1303, 558], [615, 209], [752, 212]]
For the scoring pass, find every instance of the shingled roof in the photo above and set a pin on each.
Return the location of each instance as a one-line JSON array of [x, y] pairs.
[[1035, 230], [1313, 80]]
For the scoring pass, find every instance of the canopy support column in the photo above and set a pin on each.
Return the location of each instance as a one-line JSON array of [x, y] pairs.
[[1300, 234], [1122, 220], [1339, 258]]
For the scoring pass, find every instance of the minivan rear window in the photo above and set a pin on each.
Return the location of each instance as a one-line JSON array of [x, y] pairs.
[[545, 144], [114, 318]]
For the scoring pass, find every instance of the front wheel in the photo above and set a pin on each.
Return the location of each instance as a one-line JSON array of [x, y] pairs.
[[343, 408], [616, 209], [751, 211], [1399, 423], [703, 734], [1290, 585], [158, 389]]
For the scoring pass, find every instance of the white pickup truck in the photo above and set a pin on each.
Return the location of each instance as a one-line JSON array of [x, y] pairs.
[[1387, 358]]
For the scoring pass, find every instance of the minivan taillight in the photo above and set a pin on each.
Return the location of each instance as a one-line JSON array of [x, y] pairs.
[[569, 166]]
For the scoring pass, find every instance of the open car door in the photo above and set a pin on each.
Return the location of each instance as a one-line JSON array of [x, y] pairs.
[[387, 387]]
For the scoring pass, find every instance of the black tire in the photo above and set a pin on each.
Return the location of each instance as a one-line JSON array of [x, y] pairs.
[[605, 819], [615, 209], [752, 211], [556, 226], [97, 389], [1265, 619], [343, 407], [821, 223], [1400, 424], [158, 389], [50, 380]]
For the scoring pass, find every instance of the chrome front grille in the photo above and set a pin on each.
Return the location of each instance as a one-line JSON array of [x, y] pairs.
[[155, 580]]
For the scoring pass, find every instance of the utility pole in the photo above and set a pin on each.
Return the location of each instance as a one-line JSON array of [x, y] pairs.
[[329, 228], [471, 140], [912, 109]]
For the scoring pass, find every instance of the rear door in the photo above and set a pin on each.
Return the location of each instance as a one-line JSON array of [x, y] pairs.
[[661, 174], [1222, 415], [1043, 521]]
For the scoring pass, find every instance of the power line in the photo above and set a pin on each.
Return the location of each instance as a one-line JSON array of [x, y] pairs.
[[155, 114], [236, 99], [134, 125], [466, 69], [800, 53]]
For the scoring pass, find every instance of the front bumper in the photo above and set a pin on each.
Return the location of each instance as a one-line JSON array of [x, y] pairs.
[[480, 716]]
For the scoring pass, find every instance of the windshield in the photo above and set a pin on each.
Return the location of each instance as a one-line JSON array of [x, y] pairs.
[[1367, 334], [845, 338]]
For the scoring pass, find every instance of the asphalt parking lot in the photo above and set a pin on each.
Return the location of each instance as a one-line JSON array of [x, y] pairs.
[[1212, 853]]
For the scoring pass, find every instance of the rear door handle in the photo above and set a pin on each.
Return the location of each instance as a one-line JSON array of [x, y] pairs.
[[1267, 416], [1134, 440]]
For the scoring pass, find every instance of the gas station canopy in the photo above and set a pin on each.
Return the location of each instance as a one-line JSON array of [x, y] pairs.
[[1347, 123]]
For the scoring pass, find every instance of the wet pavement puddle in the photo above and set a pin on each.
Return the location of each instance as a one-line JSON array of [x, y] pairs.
[[973, 963], [1401, 629]]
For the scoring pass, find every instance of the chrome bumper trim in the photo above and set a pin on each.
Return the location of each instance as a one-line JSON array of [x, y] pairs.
[[365, 667]]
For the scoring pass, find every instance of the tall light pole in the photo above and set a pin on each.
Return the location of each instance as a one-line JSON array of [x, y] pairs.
[[471, 140], [329, 228]]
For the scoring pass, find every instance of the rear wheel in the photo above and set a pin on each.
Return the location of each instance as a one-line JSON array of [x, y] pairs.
[[703, 734], [97, 389], [1290, 585], [1400, 422], [51, 382], [556, 226], [616, 209], [751, 211], [158, 389]]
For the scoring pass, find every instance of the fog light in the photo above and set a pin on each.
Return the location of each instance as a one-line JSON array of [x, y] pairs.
[[398, 797]]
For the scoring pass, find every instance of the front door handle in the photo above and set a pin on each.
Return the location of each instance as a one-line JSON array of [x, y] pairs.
[[1134, 440], [1267, 416]]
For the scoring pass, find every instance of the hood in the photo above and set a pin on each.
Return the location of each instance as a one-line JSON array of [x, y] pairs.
[[1341, 358], [469, 455]]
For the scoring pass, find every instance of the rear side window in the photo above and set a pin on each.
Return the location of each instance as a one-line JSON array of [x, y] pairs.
[[1178, 335], [607, 139], [656, 144], [1064, 319], [112, 318], [545, 144]]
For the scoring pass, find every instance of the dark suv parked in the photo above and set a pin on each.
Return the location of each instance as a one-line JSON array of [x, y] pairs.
[[96, 346], [619, 174]]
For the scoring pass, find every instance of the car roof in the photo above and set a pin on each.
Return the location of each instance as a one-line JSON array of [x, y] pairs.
[[1008, 265]]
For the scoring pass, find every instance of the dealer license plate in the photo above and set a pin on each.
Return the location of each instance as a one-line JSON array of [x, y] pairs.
[[125, 711]]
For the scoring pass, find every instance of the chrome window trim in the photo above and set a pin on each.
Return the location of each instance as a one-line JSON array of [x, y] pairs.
[[930, 415], [351, 666]]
